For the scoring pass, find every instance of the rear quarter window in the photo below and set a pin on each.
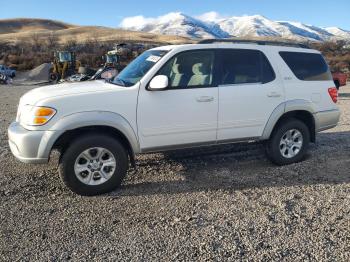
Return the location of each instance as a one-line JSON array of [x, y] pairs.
[[307, 66]]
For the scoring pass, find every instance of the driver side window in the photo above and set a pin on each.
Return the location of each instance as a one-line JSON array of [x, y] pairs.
[[190, 69]]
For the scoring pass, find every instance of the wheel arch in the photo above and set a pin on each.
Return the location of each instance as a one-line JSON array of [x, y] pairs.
[[75, 125], [64, 140], [299, 109]]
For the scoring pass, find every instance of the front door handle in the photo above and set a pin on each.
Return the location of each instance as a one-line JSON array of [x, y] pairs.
[[205, 99], [274, 94]]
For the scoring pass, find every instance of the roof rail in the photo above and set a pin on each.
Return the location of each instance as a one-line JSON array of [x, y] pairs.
[[258, 42]]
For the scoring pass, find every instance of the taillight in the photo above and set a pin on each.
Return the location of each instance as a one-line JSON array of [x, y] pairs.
[[333, 93]]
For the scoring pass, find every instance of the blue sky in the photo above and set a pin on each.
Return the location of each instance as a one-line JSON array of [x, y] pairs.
[[111, 13]]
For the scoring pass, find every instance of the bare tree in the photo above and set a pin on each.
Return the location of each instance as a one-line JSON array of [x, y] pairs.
[[71, 44], [36, 42], [52, 41]]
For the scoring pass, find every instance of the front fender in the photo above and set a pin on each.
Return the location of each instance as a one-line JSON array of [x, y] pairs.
[[85, 119]]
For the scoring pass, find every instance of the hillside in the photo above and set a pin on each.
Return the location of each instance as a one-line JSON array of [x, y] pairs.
[[19, 25], [23, 29]]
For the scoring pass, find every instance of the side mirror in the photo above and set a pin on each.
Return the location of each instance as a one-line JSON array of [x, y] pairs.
[[159, 82]]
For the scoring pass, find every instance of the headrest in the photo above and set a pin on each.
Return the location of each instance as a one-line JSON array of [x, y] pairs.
[[200, 69]]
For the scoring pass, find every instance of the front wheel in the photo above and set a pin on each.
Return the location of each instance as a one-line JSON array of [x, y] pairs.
[[288, 143], [93, 165]]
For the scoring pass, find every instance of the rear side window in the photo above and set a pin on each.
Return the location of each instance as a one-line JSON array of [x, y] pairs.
[[244, 66], [307, 66]]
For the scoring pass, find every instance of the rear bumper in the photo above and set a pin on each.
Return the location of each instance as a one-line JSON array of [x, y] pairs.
[[326, 119], [25, 144]]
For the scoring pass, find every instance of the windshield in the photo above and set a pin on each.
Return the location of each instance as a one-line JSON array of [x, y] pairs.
[[65, 56], [111, 59], [138, 68]]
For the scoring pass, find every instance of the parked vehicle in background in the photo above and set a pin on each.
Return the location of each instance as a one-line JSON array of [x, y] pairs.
[[178, 96], [339, 79], [7, 71], [4, 79]]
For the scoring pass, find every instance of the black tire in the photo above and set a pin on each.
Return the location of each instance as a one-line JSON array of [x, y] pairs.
[[67, 162], [53, 77], [337, 84], [273, 144]]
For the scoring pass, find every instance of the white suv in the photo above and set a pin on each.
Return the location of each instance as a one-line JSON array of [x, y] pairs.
[[178, 96]]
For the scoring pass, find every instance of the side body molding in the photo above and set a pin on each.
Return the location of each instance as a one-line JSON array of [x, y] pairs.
[[285, 107], [85, 119]]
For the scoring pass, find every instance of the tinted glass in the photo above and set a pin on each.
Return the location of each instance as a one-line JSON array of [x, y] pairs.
[[242, 66], [190, 69], [131, 74], [307, 66]]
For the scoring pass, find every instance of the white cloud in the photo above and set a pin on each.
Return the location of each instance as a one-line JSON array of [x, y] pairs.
[[168, 17], [210, 17], [139, 22], [135, 22]]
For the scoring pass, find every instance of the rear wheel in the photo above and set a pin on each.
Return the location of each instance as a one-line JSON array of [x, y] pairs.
[[288, 143], [93, 164]]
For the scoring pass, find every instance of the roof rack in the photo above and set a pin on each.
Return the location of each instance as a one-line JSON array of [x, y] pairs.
[[258, 42]]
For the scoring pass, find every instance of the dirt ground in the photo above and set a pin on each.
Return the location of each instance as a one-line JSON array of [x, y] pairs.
[[224, 203]]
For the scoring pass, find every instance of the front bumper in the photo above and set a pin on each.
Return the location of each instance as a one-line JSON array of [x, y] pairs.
[[25, 144], [326, 119]]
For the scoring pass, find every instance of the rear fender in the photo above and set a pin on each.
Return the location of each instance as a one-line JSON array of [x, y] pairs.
[[283, 108]]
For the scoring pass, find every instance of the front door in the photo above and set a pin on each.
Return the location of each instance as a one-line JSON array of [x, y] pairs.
[[185, 114]]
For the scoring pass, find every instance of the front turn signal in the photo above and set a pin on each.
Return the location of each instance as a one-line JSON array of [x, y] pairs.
[[44, 111], [42, 115]]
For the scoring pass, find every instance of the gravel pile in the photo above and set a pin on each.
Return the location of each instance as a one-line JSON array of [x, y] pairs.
[[38, 74], [225, 203]]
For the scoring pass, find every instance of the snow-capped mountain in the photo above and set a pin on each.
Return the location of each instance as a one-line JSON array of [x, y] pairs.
[[175, 24], [338, 32], [211, 26]]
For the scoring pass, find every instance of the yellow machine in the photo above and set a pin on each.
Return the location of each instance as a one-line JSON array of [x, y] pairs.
[[64, 65], [115, 61]]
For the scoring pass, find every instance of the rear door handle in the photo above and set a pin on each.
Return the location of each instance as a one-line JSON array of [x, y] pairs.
[[274, 94], [205, 99]]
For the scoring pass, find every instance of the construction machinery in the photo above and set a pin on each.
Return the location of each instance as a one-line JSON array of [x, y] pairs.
[[64, 65], [111, 66], [115, 61]]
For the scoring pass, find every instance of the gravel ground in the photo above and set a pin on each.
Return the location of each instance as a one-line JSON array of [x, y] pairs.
[[223, 203]]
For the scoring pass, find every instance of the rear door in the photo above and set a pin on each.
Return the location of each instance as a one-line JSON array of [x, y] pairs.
[[308, 77], [249, 90], [186, 112]]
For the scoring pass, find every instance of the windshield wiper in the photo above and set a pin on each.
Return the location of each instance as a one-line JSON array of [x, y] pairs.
[[120, 81], [111, 81]]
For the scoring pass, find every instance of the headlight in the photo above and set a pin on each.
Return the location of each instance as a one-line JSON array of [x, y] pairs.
[[36, 115]]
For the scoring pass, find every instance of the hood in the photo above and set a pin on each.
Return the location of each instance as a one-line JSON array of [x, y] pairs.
[[66, 89]]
